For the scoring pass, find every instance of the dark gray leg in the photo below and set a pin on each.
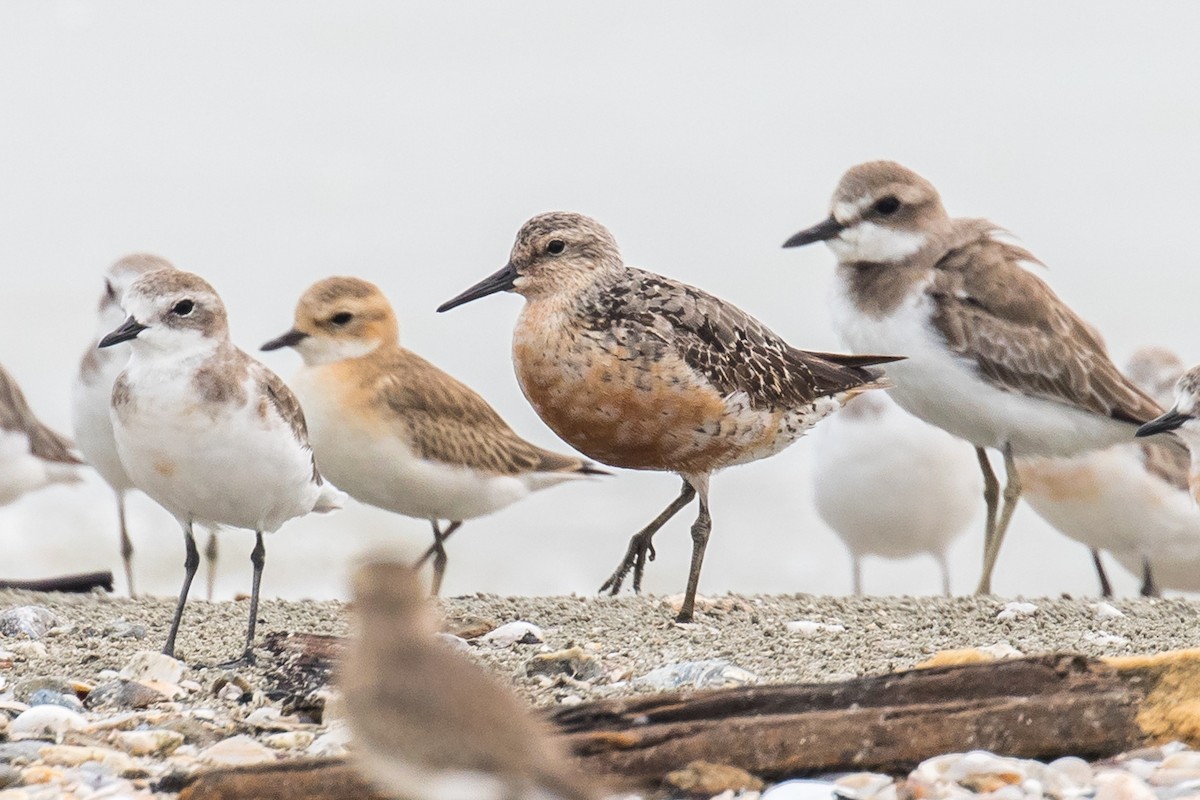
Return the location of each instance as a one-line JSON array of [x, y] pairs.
[[191, 563], [1012, 493], [641, 545], [258, 557], [126, 543], [1149, 587], [701, 529], [438, 551], [1105, 585]]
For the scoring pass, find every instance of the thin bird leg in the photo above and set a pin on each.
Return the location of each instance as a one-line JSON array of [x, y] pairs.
[[258, 557], [641, 545], [438, 551], [1149, 587], [945, 568], [701, 528], [856, 570], [210, 559], [1105, 586], [191, 563], [1012, 493], [126, 543], [991, 496]]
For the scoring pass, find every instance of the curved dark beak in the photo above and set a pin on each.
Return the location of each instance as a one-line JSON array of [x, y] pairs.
[[129, 329], [820, 232], [289, 339], [1167, 422], [501, 281]]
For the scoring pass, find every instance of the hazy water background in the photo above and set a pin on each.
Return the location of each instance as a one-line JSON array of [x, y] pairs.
[[268, 145]]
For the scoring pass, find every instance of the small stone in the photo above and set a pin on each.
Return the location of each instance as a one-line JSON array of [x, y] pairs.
[[73, 755], [1073, 768], [866, 786], [1183, 759], [1113, 785], [160, 672], [468, 626], [510, 633], [236, 751], [1016, 610], [801, 790], [46, 722], [123, 694], [46, 697], [42, 773], [809, 627], [332, 743], [708, 673], [291, 740], [25, 650], [32, 622], [1107, 611], [573, 662], [120, 629], [454, 643], [705, 778], [156, 742]]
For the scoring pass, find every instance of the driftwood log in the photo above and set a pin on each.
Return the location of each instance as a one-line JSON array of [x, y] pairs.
[[1041, 707], [84, 582]]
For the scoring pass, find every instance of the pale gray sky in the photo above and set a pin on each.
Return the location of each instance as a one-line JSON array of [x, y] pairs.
[[266, 146]]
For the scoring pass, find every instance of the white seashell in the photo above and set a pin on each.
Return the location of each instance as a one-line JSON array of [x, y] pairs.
[[809, 627], [46, 722], [236, 751], [1017, 610], [510, 633]]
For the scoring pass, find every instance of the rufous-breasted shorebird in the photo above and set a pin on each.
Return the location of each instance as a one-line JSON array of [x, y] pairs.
[[394, 431], [427, 723], [92, 395], [213, 436], [891, 485], [993, 355], [640, 371]]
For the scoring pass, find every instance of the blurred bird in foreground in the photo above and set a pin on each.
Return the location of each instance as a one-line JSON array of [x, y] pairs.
[[92, 398], [31, 455], [394, 431], [209, 433], [1131, 500], [427, 723], [891, 485], [640, 371]]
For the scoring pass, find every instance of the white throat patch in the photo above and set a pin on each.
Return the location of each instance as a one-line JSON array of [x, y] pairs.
[[876, 244]]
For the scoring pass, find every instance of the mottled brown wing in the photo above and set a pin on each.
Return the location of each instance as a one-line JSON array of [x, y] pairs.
[[1022, 337], [16, 415], [732, 349], [1168, 459], [445, 420], [288, 408]]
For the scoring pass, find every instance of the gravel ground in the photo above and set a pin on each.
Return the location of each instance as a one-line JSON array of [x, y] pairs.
[[633, 635]]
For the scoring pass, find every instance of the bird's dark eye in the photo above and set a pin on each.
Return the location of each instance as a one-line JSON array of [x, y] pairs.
[[183, 308], [887, 205], [556, 246], [341, 318]]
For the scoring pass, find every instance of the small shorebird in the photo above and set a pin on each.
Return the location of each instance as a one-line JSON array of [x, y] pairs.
[[92, 398], [427, 723], [395, 431], [994, 356], [213, 436], [31, 455], [639, 371], [1131, 500], [922, 483]]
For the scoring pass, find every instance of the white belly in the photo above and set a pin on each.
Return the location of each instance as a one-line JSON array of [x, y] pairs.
[[236, 470], [376, 467], [892, 485], [947, 391], [91, 421], [1106, 499]]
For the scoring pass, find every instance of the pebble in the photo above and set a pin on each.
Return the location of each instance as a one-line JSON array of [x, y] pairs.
[[510, 633], [1017, 610], [155, 742], [708, 673], [160, 672], [801, 790], [1112, 785], [32, 622], [290, 740], [707, 778], [332, 743], [810, 627], [123, 694], [573, 662], [1108, 611], [237, 751], [74, 755], [454, 642], [46, 722], [864, 785]]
